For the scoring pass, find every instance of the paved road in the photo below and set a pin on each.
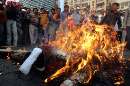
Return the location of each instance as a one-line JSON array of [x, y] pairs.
[[9, 76]]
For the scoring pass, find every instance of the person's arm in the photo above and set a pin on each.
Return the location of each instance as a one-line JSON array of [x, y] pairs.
[[119, 22]]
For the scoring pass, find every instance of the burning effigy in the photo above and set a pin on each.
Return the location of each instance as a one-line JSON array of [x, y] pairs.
[[90, 49]]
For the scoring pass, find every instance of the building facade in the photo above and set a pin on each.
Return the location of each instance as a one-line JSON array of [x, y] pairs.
[[92, 5], [124, 4], [60, 4], [97, 5], [70, 3], [47, 4], [78, 4], [103, 5]]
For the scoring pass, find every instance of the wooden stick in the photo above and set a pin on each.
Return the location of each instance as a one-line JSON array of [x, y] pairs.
[[11, 50]]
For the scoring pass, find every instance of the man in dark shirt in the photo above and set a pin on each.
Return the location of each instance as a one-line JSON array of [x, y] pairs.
[[25, 21], [113, 18], [34, 26], [2, 24], [64, 16]]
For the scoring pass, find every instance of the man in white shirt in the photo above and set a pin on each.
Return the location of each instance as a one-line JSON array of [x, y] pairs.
[[76, 17]]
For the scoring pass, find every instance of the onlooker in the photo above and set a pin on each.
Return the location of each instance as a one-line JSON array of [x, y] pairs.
[[54, 23], [33, 27], [113, 18], [101, 15], [93, 16], [25, 21], [11, 13], [85, 16], [76, 17], [44, 21], [64, 16], [70, 23], [18, 23], [2, 22], [65, 13], [50, 26], [127, 25]]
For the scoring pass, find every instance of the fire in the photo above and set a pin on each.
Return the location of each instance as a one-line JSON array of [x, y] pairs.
[[88, 49]]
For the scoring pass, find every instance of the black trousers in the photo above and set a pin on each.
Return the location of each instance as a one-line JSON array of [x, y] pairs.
[[119, 35], [128, 38]]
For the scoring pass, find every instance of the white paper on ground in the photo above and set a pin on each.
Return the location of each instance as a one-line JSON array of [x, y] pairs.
[[26, 66]]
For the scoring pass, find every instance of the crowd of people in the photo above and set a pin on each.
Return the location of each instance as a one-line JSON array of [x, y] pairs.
[[24, 26]]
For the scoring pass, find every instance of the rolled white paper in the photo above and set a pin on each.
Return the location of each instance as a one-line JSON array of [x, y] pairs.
[[26, 66]]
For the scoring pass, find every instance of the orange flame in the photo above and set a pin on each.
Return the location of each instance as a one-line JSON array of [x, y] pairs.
[[84, 45]]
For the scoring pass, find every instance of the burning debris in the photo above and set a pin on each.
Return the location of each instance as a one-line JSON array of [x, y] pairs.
[[91, 49]]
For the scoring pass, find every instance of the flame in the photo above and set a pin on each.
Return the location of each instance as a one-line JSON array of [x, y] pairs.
[[83, 46]]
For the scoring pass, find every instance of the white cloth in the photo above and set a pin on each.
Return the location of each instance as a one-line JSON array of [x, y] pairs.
[[26, 66], [76, 18]]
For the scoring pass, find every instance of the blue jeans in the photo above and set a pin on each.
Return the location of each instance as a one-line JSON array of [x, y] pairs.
[[52, 30], [1, 32], [33, 32], [12, 32]]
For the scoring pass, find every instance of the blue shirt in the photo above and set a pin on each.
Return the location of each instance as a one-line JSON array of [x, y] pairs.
[[64, 15]]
